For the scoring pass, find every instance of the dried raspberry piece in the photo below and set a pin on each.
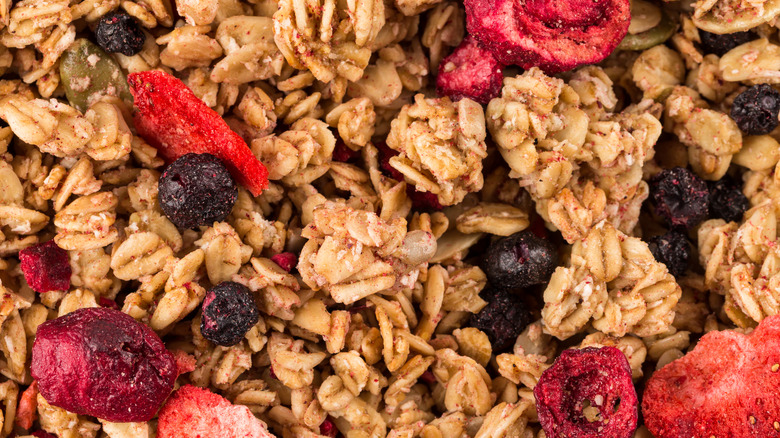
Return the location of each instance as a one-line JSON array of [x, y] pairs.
[[588, 393], [285, 260], [328, 428], [193, 412], [174, 120], [102, 362], [553, 35], [725, 387], [43, 434], [105, 302], [470, 71], [46, 267], [185, 363], [343, 154]]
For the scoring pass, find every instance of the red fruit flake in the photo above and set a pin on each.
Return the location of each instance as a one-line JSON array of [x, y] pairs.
[[428, 377], [27, 411], [193, 412], [470, 71], [102, 362], [553, 35], [172, 119], [285, 260], [726, 386], [599, 377], [343, 154], [185, 363], [328, 428], [42, 434], [105, 302], [45, 267]]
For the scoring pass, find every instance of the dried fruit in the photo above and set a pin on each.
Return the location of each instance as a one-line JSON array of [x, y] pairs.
[[755, 110], [470, 71], [503, 319], [88, 73], [193, 412], [102, 362], [552, 35], [229, 311], [285, 260], [727, 201], [588, 393], [520, 260], [174, 120], [344, 154], [42, 434], [328, 428], [722, 44], [46, 267], [118, 32], [195, 190], [680, 197], [725, 387], [673, 250]]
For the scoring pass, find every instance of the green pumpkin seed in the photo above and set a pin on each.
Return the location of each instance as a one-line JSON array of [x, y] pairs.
[[88, 73], [653, 37]]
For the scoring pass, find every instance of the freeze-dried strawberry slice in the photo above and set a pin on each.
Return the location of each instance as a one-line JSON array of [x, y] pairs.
[[193, 412], [470, 71], [174, 120], [553, 35], [725, 387]]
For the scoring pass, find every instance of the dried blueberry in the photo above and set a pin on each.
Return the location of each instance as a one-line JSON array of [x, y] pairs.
[[722, 44], [46, 267], [197, 189], [503, 319], [520, 260], [727, 201], [673, 250], [102, 362], [588, 393], [755, 109], [229, 311], [118, 32], [680, 197]]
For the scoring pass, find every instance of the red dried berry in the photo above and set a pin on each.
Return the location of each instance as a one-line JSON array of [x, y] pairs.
[[102, 362], [384, 155], [45, 267], [343, 154], [176, 122], [470, 71], [185, 363], [43, 434], [105, 302], [285, 260], [193, 412], [553, 35], [328, 428], [595, 377], [428, 377], [27, 411], [725, 387]]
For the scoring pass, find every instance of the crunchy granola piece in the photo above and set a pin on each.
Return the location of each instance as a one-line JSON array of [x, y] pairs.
[[730, 16], [658, 70], [354, 120], [188, 46], [197, 12], [753, 62], [250, 53], [290, 363], [506, 420], [632, 347], [112, 139], [63, 423], [87, 222], [224, 252]]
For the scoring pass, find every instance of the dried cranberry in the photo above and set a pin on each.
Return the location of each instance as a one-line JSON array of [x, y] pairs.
[[727, 201], [285, 260], [673, 250], [118, 32], [328, 428], [45, 267], [43, 434], [385, 154], [470, 71], [343, 154], [503, 319], [105, 302], [229, 311], [755, 110], [722, 44], [101, 362], [520, 260], [680, 197], [588, 393]]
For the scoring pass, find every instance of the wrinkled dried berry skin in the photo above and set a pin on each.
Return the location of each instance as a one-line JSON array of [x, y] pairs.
[[673, 250], [118, 32], [503, 319], [520, 260], [102, 362], [197, 189], [755, 109], [46, 267], [229, 311], [727, 201], [600, 376], [470, 71], [721, 44], [680, 197]]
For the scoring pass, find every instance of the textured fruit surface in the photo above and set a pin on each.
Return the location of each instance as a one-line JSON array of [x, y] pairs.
[[470, 71], [727, 201], [673, 250], [46, 267], [721, 44], [285, 260], [88, 73], [520, 260], [174, 120], [680, 197], [102, 362], [118, 32], [197, 189], [588, 393], [193, 412], [755, 110], [229, 311], [503, 319], [725, 387], [552, 35]]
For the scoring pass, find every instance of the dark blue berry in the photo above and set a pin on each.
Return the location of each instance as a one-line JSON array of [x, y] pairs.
[[755, 109], [118, 32], [727, 201], [722, 44], [520, 260], [680, 197], [229, 311], [673, 250], [503, 319], [197, 189]]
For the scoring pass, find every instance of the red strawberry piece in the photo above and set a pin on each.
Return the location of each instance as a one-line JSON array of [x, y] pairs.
[[185, 363], [470, 71], [385, 154], [285, 260], [193, 412], [46, 267], [27, 411], [423, 200], [727, 386], [553, 35], [343, 154], [172, 119]]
